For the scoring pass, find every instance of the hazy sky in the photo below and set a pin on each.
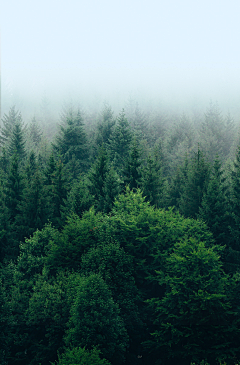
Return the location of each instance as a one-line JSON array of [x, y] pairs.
[[167, 49]]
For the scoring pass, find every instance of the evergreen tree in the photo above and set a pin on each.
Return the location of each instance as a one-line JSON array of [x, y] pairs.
[[196, 318], [17, 141], [34, 208], [105, 127], [95, 320], [14, 195], [35, 132], [195, 185], [8, 122], [72, 140], [49, 170], [58, 194], [14, 188], [152, 182], [233, 256], [104, 182], [214, 209], [31, 165], [120, 141], [132, 172]]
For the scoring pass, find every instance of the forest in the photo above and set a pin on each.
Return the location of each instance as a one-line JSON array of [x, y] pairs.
[[120, 238]]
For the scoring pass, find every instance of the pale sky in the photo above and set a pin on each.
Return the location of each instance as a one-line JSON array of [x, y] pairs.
[[166, 49]]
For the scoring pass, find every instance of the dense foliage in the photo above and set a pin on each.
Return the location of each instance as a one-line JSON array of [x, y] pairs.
[[120, 240]]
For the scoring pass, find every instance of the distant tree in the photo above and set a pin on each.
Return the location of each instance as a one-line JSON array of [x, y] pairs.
[[35, 132], [8, 122], [105, 126], [72, 140], [17, 141], [120, 141]]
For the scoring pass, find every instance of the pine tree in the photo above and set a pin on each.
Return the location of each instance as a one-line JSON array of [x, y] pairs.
[[72, 140], [104, 182], [8, 122], [131, 172], [31, 165], [35, 132], [34, 209], [152, 182], [120, 141], [214, 209], [58, 194], [195, 185], [105, 127], [17, 141], [233, 252]]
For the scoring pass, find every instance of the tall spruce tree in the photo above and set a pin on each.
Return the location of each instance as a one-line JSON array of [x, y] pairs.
[[105, 126], [214, 210], [195, 185], [72, 140], [233, 256], [120, 141], [104, 184], [17, 141], [8, 122], [152, 182], [132, 171]]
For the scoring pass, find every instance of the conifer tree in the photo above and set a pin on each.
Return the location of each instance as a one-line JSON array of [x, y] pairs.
[[72, 140], [213, 209], [104, 185], [31, 165], [120, 141], [105, 127], [17, 141], [152, 182], [132, 173], [233, 254], [8, 122], [58, 194], [35, 132], [195, 185], [34, 209]]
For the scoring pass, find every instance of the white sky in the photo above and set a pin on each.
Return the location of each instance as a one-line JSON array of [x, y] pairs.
[[162, 48]]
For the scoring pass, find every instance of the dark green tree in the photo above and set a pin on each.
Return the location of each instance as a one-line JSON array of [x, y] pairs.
[[214, 210], [58, 194], [132, 171], [81, 356], [95, 320], [34, 209], [152, 182], [196, 318], [195, 185], [17, 141], [104, 185], [72, 140]]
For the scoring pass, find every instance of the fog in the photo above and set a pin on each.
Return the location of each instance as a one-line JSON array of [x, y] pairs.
[[164, 54]]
